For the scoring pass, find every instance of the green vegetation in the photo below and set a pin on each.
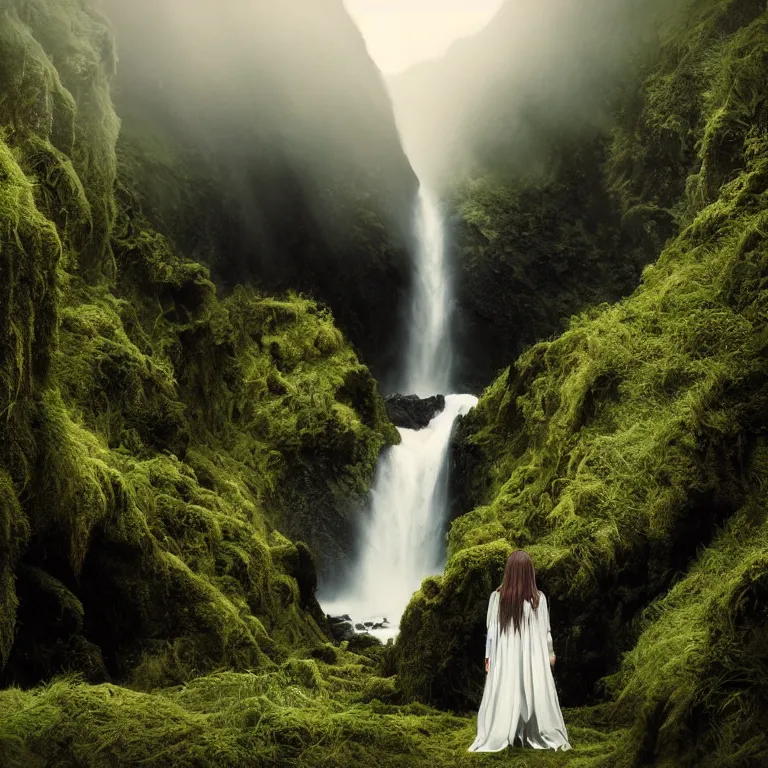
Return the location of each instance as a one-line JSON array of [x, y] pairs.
[[155, 436], [167, 450], [274, 161], [306, 713], [533, 248], [629, 455], [566, 216]]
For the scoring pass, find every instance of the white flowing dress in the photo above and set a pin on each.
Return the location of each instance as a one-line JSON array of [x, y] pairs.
[[519, 701]]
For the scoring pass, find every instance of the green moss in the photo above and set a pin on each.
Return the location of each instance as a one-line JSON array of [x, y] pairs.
[[270, 719], [58, 62], [533, 249], [683, 138], [31, 249], [698, 667], [14, 533], [154, 434], [444, 625]]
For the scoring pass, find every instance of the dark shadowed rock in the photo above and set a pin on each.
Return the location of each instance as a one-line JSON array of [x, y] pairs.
[[341, 628], [413, 412]]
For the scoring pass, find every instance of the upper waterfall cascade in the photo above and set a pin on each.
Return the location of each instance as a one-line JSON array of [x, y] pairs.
[[428, 357]]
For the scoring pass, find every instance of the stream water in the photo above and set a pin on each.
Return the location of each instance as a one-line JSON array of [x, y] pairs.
[[402, 536]]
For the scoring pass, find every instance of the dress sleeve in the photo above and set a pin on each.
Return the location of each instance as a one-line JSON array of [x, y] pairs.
[[490, 624], [546, 624]]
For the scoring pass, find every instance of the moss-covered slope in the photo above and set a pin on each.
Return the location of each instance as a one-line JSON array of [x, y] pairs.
[[308, 713], [155, 437], [530, 249], [629, 455]]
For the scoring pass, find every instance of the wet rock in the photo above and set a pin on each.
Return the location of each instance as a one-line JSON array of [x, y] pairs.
[[413, 412], [360, 627], [341, 628]]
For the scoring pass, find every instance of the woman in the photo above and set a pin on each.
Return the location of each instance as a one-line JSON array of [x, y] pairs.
[[519, 701]]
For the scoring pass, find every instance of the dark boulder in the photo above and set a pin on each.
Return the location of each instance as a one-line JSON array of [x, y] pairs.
[[413, 412], [341, 628]]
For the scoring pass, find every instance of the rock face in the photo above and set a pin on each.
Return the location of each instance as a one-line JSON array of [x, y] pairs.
[[413, 412]]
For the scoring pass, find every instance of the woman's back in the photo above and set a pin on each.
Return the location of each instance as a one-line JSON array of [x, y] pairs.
[[519, 701]]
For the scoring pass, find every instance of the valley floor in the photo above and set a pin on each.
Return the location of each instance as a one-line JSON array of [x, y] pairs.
[[306, 713]]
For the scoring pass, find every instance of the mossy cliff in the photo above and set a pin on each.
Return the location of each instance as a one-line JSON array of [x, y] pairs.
[[264, 145], [629, 455], [156, 438], [530, 249]]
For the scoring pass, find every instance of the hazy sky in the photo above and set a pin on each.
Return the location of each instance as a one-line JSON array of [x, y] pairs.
[[400, 33]]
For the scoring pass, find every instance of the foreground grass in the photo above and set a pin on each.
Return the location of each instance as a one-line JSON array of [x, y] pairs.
[[307, 713]]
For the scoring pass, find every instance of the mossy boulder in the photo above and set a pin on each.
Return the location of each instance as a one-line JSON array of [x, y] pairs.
[[442, 632]]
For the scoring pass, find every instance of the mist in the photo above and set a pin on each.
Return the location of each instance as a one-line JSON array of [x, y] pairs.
[[265, 143], [294, 76], [538, 70]]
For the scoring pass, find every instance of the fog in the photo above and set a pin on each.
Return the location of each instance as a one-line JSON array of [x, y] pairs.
[[401, 33], [538, 70], [263, 87], [296, 70], [261, 139]]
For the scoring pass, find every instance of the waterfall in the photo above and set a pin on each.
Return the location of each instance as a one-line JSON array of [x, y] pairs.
[[428, 357], [402, 538]]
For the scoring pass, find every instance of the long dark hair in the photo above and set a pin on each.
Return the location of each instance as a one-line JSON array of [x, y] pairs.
[[519, 585]]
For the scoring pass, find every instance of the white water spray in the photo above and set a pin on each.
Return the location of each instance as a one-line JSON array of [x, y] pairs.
[[402, 539]]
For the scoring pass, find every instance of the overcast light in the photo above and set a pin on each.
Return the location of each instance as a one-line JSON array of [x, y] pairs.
[[401, 33]]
